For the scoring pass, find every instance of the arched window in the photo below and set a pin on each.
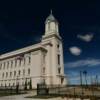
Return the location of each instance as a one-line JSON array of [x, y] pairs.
[[24, 61], [9, 84], [3, 75], [15, 62], [13, 84], [58, 59], [29, 71], [4, 66], [10, 74], [0, 66], [5, 85], [19, 72], [59, 70], [48, 26], [43, 70], [6, 74], [23, 71], [44, 56], [19, 62], [1, 84], [14, 73], [29, 59], [11, 63], [7, 64], [58, 46]]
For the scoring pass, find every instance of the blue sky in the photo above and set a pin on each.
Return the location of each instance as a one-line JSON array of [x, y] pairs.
[[22, 24]]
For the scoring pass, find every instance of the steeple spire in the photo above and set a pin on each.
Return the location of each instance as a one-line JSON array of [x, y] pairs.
[[51, 24], [50, 17], [51, 11]]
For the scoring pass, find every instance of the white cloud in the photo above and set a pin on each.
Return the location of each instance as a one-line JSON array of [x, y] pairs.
[[86, 37], [75, 50], [82, 63]]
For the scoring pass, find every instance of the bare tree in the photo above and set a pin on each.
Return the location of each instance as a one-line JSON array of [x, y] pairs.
[[85, 75]]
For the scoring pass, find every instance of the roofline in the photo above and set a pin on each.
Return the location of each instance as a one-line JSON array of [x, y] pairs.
[[23, 51]]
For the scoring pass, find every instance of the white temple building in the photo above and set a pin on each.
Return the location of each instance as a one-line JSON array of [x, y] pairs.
[[41, 62]]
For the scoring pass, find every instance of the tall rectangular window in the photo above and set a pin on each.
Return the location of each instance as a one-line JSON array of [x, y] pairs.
[[7, 64], [58, 46], [4, 66], [11, 63], [43, 70], [2, 75], [20, 62], [58, 59], [28, 71], [19, 72], [0, 66], [59, 70], [23, 71], [24, 61], [6, 74], [15, 62], [14, 73], [29, 59], [10, 74]]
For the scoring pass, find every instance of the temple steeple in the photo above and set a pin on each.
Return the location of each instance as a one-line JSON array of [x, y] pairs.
[[52, 42], [51, 25]]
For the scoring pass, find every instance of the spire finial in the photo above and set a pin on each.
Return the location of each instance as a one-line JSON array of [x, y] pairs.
[[51, 11]]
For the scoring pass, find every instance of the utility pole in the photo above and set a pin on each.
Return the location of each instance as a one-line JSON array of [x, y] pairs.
[[96, 80], [81, 84]]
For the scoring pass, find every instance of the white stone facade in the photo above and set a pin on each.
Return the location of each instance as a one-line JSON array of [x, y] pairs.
[[42, 62]]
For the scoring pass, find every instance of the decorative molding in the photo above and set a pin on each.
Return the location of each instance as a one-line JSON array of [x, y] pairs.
[[23, 52]]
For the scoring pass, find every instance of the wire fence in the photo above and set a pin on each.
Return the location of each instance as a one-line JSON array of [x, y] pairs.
[[76, 91]]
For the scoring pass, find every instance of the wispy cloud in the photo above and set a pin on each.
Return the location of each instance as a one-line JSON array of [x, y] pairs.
[[87, 37], [82, 63], [75, 50], [74, 77]]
